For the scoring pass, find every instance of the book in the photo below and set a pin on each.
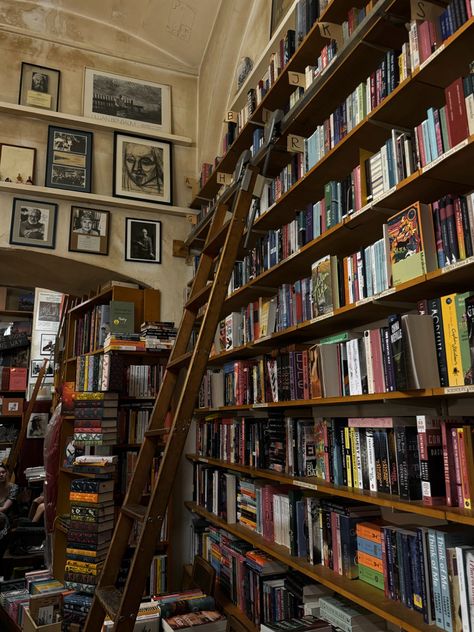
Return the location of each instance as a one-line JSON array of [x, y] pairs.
[[122, 317], [325, 286], [203, 620]]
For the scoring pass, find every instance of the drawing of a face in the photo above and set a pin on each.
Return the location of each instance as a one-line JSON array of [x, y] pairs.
[[141, 163]]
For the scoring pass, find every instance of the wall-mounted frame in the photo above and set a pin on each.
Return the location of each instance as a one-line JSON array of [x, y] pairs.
[[143, 240], [69, 159], [33, 223], [39, 86], [89, 230], [279, 9], [17, 163], [37, 426], [132, 102], [47, 344]]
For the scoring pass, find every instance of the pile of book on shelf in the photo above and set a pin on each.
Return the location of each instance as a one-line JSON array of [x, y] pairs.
[[124, 342], [190, 609], [308, 623], [102, 465], [95, 418], [148, 618], [76, 607], [90, 531], [159, 335], [34, 474]]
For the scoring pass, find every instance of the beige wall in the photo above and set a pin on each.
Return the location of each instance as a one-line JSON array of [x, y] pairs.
[[15, 46]]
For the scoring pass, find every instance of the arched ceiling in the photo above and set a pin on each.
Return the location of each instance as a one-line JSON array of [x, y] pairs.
[[166, 33]]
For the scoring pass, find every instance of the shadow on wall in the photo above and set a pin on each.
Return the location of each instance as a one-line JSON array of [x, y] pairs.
[[25, 268]]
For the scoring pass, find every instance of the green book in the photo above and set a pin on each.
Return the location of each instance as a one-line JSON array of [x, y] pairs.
[[122, 317], [370, 576]]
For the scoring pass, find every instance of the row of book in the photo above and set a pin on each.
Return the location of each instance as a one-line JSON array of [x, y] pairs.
[[132, 422], [95, 418], [423, 458]]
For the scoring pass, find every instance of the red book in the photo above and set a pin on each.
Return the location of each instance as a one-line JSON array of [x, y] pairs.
[[17, 379], [459, 228], [424, 40], [463, 464], [458, 128], [430, 455], [468, 9], [457, 466], [448, 462], [421, 146], [377, 361]]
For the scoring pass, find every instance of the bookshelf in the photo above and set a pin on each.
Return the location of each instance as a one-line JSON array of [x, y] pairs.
[[448, 173]]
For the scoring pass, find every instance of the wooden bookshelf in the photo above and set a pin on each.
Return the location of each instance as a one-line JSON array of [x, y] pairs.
[[355, 590]]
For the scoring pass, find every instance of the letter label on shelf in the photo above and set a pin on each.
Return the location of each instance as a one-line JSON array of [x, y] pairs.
[[294, 143]]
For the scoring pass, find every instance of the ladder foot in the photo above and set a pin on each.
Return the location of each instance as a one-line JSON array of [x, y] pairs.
[[109, 597]]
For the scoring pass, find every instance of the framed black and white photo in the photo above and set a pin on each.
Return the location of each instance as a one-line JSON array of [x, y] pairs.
[[17, 164], [39, 87], [69, 159], [47, 344], [89, 230], [33, 223], [36, 367], [142, 169], [47, 311], [143, 240], [279, 9], [133, 102], [37, 426]]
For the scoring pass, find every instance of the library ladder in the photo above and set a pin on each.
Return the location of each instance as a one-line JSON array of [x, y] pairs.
[[179, 390]]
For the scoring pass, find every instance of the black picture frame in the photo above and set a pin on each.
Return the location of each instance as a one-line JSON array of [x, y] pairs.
[[89, 230], [139, 246], [45, 95], [33, 223], [131, 152], [47, 344], [279, 9], [69, 159]]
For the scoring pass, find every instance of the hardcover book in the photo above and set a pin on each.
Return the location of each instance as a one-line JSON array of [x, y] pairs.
[[325, 286], [122, 317]]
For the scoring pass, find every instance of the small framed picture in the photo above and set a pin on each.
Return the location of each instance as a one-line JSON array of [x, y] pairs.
[[39, 87], [133, 102], [69, 159], [89, 230], [143, 240], [17, 164], [279, 9], [37, 426], [36, 367], [142, 169], [33, 223], [47, 344]]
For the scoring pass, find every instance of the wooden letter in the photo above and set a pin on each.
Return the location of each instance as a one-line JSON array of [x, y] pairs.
[[297, 79], [332, 31], [231, 117], [294, 143], [421, 10], [224, 178]]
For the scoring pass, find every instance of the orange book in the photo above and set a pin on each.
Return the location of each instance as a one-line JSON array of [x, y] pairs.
[[370, 531], [370, 561]]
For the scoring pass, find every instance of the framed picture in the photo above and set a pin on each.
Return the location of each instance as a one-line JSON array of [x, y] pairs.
[[143, 240], [279, 9], [35, 369], [48, 311], [133, 102], [33, 223], [69, 159], [39, 87], [17, 164], [47, 344], [142, 168], [89, 231], [37, 426]]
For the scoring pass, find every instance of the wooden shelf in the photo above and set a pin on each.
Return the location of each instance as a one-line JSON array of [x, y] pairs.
[[454, 514], [33, 190], [355, 590], [231, 609], [62, 118], [15, 312]]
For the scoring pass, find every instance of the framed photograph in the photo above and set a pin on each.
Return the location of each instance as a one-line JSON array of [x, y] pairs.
[[39, 87], [89, 231], [143, 240], [279, 9], [47, 344], [48, 311], [142, 169], [17, 164], [35, 369], [37, 426], [69, 159], [33, 223], [133, 102]]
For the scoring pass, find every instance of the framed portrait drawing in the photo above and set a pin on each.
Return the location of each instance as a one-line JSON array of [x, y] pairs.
[[143, 240], [47, 344], [279, 9], [17, 164], [133, 102], [69, 159], [39, 87], [37, 426], [33, 223], [89, 230], [142, 169]]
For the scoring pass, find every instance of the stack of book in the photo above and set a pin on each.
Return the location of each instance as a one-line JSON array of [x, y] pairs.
[[103, 466], [148, 619], [308, 623], [95, 418], [76, 607], [158, 335], [124, 342], [202, 620], [369, 553], [35, 473], [349, 617], [90, 531]]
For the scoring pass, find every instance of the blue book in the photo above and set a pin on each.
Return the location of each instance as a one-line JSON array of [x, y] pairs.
[[432, 134], [426, 141], [369, 547], [435, 577]]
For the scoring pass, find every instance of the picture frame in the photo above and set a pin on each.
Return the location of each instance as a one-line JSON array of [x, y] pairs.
[[33, 223], [17, 163], [279, 9], [142, 169], [37, 426], [126, 100], [39, 86], [36, 365], [142, 240], [47, 343], [89, 230], [69, 159]]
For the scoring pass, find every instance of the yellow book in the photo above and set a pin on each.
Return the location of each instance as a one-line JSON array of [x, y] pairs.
[[451, 340], [353, 444], [347, 442]]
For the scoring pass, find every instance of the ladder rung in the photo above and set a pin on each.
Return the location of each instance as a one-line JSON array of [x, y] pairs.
[[110, 598], [180, 361], [137, 512], [157, 432], [199, 298]]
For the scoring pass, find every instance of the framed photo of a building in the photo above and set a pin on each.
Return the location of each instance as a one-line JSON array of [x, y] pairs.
[[133, 102], [33, 223], [69, 159], [143, 240], [89, 230], [142, 169], [17, 164], [39, 87]]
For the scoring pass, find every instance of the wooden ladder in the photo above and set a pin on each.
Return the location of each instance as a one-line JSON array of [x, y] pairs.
[[181, 383]]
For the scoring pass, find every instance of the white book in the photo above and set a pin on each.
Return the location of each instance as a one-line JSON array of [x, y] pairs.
[[368, 356], [470, 113], [369, 438], [461, 553]]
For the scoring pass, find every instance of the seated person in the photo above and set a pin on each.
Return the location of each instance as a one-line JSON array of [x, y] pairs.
[[8, 494]]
